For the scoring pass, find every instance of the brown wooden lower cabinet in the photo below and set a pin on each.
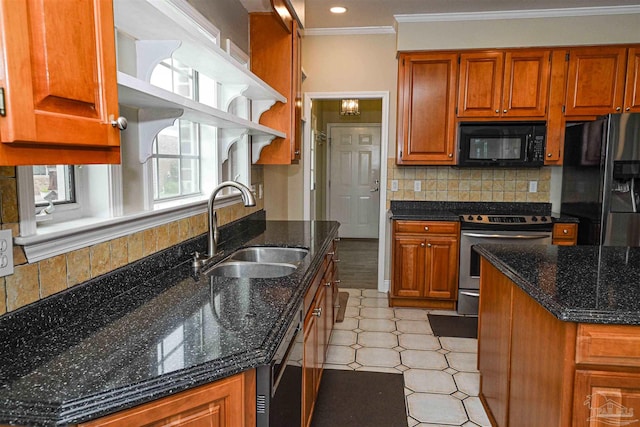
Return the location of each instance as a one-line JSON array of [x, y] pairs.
[[230, 402], [536, 370], [318, 325], [565, 234], [424, 270]]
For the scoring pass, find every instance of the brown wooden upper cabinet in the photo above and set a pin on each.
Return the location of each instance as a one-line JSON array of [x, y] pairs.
[[632, 87], [276, 59], [59, 83], [504, 84], [596, 80], [426, 108]]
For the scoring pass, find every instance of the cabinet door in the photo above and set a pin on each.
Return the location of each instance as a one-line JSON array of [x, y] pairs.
[[220, 404], [526, 83], [426, 109], [605, 398], [59, 79], [409, 257], [442, 268], [480, 84], [309, 366], [632, 88], [595, 82]]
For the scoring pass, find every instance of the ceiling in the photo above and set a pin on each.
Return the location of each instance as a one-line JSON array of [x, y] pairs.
[[377, 13]]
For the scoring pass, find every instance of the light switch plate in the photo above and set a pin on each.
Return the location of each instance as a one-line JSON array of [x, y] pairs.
[[533, 186], [394, 185], [417, 185], [6, 253]]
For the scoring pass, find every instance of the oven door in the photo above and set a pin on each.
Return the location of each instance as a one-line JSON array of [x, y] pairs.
[[469, 277]]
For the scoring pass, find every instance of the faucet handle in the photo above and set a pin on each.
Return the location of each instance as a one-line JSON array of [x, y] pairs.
[[198, 260]]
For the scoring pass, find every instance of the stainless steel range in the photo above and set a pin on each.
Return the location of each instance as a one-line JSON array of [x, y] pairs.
[[489, 228]]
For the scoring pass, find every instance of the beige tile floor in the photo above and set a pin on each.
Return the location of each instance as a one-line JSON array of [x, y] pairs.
[[440, 376]]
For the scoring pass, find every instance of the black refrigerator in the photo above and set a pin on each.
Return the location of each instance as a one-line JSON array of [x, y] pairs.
[[601, 179]]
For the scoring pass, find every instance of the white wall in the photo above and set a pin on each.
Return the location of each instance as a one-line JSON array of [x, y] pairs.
[[355, 63]]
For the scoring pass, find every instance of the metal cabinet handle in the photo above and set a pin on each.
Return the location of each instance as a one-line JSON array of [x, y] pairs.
[[618, 108], [422, 245], [504, 111], [450, 155], [628, 109], [565, 231], [548, 154], [317, 312], [497, 111], [428, 245], [328, 284], [121, 123], [426, 229]]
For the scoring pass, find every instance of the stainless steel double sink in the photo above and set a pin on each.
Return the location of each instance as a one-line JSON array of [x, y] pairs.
[[259, 262]]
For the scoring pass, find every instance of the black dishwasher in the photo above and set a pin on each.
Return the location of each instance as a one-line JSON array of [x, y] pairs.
[[279, 384]]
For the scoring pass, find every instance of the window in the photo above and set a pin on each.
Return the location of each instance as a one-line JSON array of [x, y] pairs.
[[53, 185], [176, 161]]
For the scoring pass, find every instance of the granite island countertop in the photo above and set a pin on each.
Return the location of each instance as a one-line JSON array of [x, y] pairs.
[[584, 284], [151, 329]]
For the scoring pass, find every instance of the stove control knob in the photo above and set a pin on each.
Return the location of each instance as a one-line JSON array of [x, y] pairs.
[[543, 218], [534, 218], [479, 218], [470, 217]]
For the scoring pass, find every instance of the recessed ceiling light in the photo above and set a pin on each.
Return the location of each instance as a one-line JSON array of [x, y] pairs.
[[338, 9]]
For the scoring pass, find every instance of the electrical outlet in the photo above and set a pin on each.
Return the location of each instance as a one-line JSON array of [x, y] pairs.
[[6, 253], [533, 186], [394, 185], [417, 185]]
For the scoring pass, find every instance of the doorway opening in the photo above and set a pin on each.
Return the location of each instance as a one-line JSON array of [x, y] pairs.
[[345, 174]]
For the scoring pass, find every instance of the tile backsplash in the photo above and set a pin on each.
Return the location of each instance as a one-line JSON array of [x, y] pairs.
[[445, 183]]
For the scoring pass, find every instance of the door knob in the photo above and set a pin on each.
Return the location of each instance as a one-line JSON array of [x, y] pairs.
[[374, 190]]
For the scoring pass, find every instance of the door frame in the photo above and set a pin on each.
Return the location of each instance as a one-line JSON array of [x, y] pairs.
[[309, 97]]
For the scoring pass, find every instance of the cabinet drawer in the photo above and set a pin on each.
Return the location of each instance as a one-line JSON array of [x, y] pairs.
[[565, 231], [616, 345], [435, 227]]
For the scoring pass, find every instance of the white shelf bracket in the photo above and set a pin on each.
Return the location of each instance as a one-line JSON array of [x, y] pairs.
[[228, 92], [226, 138], [258, 142], [260, 106], [150, 53], [150, 122]]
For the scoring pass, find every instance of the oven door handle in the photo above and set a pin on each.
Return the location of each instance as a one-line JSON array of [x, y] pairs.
[[507, 236], [470, 294]]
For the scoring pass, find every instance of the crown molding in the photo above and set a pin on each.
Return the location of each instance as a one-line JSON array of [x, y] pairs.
[[518, 14], [349, 31]]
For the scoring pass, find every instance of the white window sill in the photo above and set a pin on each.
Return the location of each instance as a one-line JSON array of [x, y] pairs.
[[56, 239]]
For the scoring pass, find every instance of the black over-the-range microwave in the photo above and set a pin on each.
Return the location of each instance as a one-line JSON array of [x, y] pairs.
[[508, 144]]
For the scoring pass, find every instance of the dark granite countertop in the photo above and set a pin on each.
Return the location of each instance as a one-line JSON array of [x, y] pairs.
[[451, 211], [585, 284], [151, 329]]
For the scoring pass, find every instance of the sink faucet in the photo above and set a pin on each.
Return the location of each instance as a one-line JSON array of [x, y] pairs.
[[247, 198]]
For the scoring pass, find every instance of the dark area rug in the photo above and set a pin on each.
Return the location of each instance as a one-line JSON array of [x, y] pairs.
[[360, 399], [453, 326], [343, 297]]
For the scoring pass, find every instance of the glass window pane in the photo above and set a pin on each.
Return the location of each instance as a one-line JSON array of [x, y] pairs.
[[190, 176], [167, 141], [53, 183], [188, 138], [168, 178], [161, 77], [207, 91]]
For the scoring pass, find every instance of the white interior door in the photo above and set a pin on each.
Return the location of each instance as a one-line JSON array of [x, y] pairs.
[[354, 179]]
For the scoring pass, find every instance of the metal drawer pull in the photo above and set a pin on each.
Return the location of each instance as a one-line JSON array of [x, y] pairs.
[[470, 294], [506, 236], [317, 312]]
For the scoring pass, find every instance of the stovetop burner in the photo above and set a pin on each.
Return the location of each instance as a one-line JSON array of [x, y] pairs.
[[506, 222]]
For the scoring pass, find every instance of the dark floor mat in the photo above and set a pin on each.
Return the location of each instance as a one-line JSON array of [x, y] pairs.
[[359, 399], [453, 326], [343, 297]]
